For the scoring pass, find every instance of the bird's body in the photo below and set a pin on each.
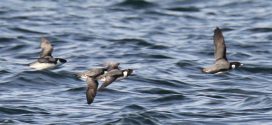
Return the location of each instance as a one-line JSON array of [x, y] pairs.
[[91, 72], [40, 66]]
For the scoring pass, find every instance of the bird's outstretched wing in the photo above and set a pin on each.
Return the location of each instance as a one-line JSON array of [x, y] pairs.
[[219, 45], [107, 81], [46, 47], [111, 65], [91, 89]]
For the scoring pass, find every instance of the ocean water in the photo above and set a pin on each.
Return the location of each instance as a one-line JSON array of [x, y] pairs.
[[166, 42]]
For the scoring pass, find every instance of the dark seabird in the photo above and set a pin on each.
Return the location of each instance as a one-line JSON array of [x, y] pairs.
[[107, 67], [112, 75], [221, 61], [46, 60], [92, 85], [91, 72]]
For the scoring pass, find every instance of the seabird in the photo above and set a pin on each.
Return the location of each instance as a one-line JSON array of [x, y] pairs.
[[112, 75], [221, 61], [46, 60], [100, 71]]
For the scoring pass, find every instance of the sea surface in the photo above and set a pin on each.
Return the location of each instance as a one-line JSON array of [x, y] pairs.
[[166, 42]]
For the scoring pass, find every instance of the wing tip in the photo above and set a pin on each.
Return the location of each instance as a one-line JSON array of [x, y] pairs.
[[44, 39], [101, 87], [217, 30], [218, 34]]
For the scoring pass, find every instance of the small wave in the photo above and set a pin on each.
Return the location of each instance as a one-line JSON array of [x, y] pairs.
[[185, 63], [159, 56], [213, 96], [137, 43], [132, 107], [30, 78], [254, 103], [136, 4], [136, 118], [158, 91], [175, 97], [233, 91], [7, 121], [7, 40], [17, 47], [81, 89], [26, 30], [267, 70], [4, 72], [184, 9], [260, 29], [22, 110], [14, 111], [158, 82]]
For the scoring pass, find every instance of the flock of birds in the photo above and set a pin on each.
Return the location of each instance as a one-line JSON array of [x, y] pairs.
[[112, 72]]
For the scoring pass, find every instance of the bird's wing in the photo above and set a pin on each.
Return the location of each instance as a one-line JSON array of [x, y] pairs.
[[46, 47], [112, 65], [91, 90], [107, 81], [219, 45]]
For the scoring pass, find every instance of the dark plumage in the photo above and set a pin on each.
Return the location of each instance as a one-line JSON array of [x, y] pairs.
[[92, 85], [91, 72], [107, 67], [112, 65], [46, 59], [112, 75], [221, 61], [46, 47]]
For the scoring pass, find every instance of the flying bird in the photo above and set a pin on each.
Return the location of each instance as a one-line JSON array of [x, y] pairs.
[[113, 75], [46, 60], [221, 62]]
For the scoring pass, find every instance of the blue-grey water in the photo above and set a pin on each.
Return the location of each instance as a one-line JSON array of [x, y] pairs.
[[167, 42]]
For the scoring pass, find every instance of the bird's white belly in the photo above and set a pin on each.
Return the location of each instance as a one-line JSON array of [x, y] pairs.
[[41, 66]]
